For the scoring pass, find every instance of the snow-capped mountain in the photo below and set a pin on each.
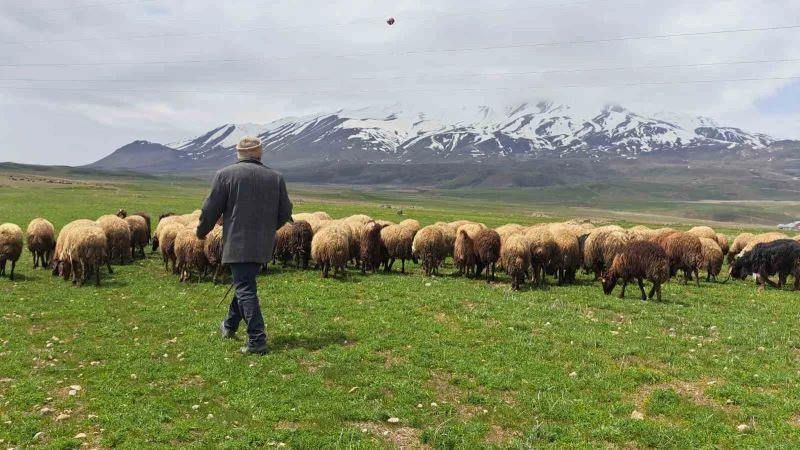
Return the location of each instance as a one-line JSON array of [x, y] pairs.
[[483, 134]]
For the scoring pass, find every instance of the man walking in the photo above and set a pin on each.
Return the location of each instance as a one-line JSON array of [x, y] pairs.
[[251, 198]]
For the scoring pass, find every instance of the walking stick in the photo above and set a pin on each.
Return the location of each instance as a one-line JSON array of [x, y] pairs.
[[225, 296]]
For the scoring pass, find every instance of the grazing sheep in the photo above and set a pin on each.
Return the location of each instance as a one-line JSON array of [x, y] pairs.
[[321, 215], [781, 256], [304, 216], [10, 247], [510, 229], [602, 245], [487, 247], [723, 243], [167, 236], [638, 260], [361, 218], [60, 259], [458, 223], [763, 239], [640, 233], [567, 258], [41, 237], [212, 249], [164, 220], [384, 223], [146, 218], [411, 224], [357, 231], [739, 243], [429, 248], [515, 256], [449, 234], [330, 249], [293, 240], [86, 253], [712, 258], [118, 235], [397, 240], [371, 246], [704, 232], [139, 234], [685, 252], [543, 250], [190, 254], [464, 256]]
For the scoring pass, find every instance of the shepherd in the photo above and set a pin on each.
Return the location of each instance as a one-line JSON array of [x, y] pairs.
[[252, 200]]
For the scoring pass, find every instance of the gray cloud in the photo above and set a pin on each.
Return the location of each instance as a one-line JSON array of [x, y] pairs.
[[290, 42]]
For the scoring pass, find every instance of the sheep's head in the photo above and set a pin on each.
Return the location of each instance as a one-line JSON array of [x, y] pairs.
[[155, 243], [121, 213], [741, 268], [609, 281]]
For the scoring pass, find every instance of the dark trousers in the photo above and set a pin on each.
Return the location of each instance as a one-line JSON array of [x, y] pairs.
[[244, 305]]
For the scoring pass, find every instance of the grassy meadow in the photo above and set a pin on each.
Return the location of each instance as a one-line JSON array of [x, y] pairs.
[[455, 363]]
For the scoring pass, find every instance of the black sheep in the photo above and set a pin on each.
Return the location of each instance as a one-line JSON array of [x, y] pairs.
[[780, 257]]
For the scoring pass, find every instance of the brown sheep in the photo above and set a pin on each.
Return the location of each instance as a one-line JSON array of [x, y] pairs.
[[543, 250], [567, 259], [122, 214], [510, 229], [10, 247], [60, 259], [638, 260], [449, 234], [212, 248], [722, 241], [139, 236], [166, 236], [640, 233], [190, 254], [164, 220], [330, 249], [515, 255], [372, 249], [464, 256], [685, 252], [712, 258], [41, 237], [739, 243], [703, 232], [487, 247], [118, 236], [602, 245], [411, 224], [763, 238], [397, 240], [86, 252], [293, 240], [430, 248]]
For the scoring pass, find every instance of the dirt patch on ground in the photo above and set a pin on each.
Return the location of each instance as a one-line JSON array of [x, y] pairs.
[[795, 421], [637, 361], [447, 393], [399, 437], [694, 391], [498, 435], [196, 380], [310, 366], [287, 426], [390, 360]]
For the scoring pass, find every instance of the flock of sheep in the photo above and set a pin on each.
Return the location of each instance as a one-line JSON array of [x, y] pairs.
[[524, 253]]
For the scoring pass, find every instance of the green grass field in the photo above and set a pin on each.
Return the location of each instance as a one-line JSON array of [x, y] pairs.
[[460, 363]]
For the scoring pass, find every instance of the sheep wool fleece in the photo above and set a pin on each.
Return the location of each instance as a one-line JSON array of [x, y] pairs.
[[253, 202]]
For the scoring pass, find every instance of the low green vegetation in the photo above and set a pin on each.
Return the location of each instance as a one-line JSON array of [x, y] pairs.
[[458, 363]]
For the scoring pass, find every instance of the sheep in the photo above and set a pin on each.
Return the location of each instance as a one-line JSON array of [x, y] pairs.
[[704, 232], [763, 239], [357, 231], [86, 252], [212, 249], [722, 241], [41, 238], [781, 256], [411, 224], [139, 234], [10, 247], [711, 258], [118, 235], [602, 246], [458, 223], [464, 257], [321, 215], [449, 234], [487, 247], [330, 249], [190, 254], [567, 258], [362, 218], [638, 260], [543, 250], [371, 247], [303, 216], [430, 248], [739, 243], [293, 240], [640, 233], [123, 214], [515, 256], [384, 223], [167, 236], [507, 230], [164, 220], [60, 259], [397, 240], [685, 252]]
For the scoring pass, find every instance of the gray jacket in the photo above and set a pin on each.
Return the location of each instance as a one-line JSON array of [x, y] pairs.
[[252, 200]]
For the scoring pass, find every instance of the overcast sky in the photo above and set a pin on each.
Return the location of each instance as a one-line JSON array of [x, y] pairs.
[[80, 78]]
